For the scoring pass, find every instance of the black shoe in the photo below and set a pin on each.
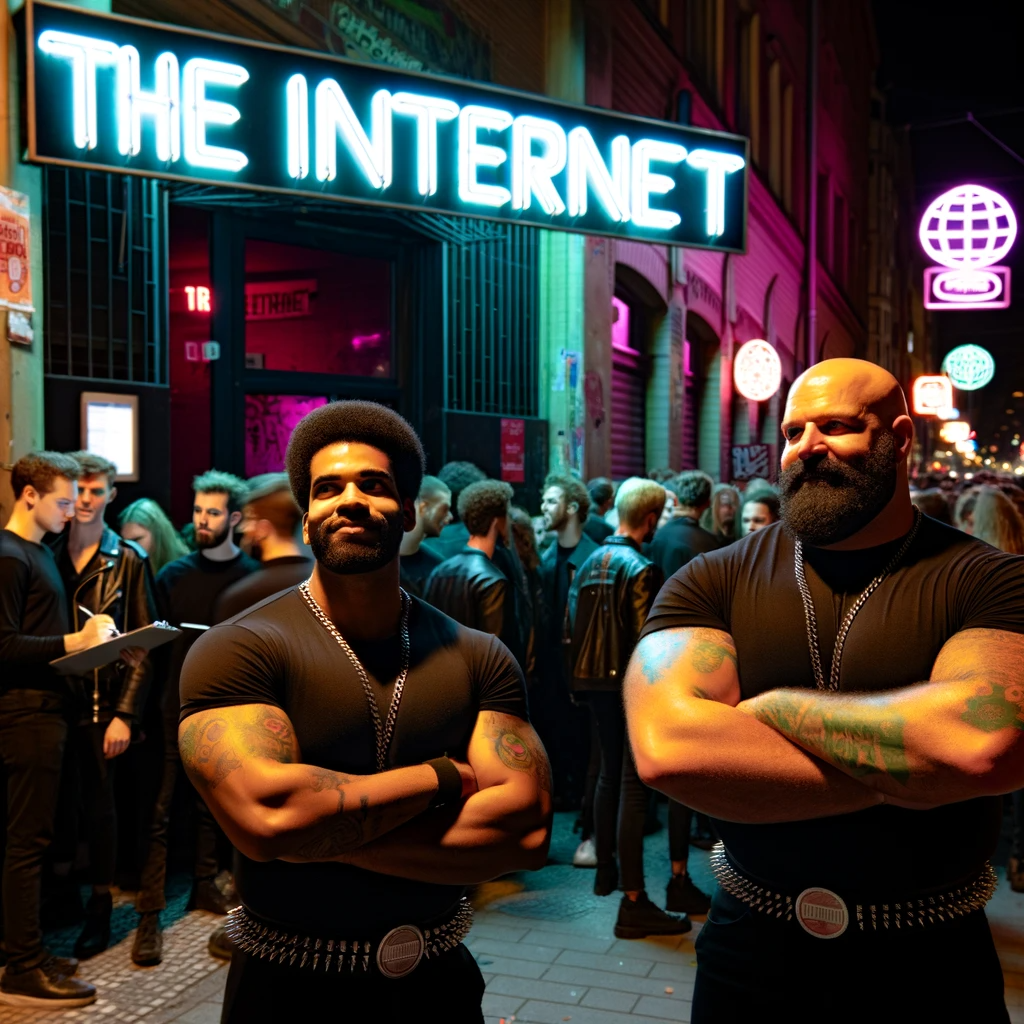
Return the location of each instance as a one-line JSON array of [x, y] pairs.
[[220, 944], [640, 918], [683, 897], [606, 881], [206, 896], [66, 965], [95, 935], [148, 946], [44, 987]]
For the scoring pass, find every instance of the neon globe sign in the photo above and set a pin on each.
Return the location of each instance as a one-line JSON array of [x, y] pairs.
[[969, 367], [757, 371], [966, 231]]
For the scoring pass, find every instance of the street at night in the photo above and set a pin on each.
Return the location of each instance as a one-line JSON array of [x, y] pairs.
[[511, 510]]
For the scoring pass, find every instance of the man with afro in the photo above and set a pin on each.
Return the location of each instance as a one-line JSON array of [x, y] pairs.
[[368, 756]]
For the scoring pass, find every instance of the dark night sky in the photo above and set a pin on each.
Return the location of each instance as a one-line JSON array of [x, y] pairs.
[[940, 60]]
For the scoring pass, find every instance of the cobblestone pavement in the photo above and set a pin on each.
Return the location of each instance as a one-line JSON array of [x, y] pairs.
[[543, 941]]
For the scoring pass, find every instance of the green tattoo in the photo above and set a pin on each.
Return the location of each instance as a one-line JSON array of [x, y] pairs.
[[706, 649], [996, 706], [518, 753], [707, 657]]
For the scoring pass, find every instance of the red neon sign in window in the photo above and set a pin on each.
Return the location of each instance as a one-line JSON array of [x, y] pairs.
[[198, 299]]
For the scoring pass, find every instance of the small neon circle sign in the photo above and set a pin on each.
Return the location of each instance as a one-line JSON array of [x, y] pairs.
[[969, 367], [757, 370]]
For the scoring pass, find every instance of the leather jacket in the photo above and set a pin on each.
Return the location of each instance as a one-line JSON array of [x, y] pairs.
[[609, 601], [474, 591], [559, 627], [125, 593]]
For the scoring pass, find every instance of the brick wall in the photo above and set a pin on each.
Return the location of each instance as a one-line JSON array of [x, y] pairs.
[[515, 31]]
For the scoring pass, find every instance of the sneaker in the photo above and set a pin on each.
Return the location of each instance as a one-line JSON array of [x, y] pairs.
[[683, 897], [148, 945], [606, 881], [44, 987], [585, 855], [219, 944], [1015, 874], [640, 918]]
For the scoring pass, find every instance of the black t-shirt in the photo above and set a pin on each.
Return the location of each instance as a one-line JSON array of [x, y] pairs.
[[946, 583], [277, 653], [679, 540], [415, 569], [272, 576], [33, 615], [562, 556]]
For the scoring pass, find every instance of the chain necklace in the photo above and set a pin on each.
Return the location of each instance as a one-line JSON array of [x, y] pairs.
[[844, 628], [382, 732]]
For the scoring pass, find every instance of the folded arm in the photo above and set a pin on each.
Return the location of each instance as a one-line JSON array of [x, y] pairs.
[[691, 741], [958, 736], [504, 827], [246, 763]]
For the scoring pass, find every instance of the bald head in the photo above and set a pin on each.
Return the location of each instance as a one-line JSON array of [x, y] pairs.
[[852, 385]]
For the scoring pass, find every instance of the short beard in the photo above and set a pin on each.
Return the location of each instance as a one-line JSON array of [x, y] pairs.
[[842, 497], [339, 555], [218, 538]]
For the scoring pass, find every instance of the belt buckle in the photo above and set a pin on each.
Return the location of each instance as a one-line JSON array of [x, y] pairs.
[[400, 951], [822, 913]]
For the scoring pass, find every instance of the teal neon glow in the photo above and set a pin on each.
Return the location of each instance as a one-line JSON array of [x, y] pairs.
[[587, 170], [163, 104], [85, 55], [428, 111], [199, 111], [335, 116], [297, 99], [716, 165], [647, 183], [532, 172], [474, 154]]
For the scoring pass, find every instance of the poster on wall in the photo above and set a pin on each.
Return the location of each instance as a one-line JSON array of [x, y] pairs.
[[513, 451], [15, 280], [751, 460]]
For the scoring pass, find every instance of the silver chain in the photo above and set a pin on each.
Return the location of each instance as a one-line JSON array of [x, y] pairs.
[[382, 732], [844, 628]]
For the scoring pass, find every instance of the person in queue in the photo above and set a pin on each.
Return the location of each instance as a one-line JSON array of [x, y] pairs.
[[843, 692], [433, 514], [145, 523], [758, 512]]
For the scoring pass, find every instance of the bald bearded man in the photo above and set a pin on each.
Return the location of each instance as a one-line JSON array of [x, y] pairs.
[[844, 693]]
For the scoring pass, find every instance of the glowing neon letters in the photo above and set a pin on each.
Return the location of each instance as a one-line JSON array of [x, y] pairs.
[[147, 99]]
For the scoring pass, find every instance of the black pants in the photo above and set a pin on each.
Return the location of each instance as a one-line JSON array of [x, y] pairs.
[[446, 990], [620, 802], [33, 730], [96, 800], [752, 967], [153, 882]]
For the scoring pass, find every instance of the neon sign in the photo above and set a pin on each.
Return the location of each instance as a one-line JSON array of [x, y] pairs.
[[969, 367], [931, 394], [129, 96], [955, 430], [757, 370], [967, 230]]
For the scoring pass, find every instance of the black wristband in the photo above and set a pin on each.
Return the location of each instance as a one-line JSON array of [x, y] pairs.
[[449, 782]]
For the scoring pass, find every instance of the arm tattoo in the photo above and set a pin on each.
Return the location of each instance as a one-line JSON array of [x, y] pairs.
[[516, 752], [705, 649], [867, 742], [996, 706], [994, 661]]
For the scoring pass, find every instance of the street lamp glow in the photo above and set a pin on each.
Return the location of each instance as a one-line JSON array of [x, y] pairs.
[[757, 370]]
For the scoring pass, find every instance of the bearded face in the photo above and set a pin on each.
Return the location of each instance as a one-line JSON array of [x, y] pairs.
[[356, 539], [824, 500]]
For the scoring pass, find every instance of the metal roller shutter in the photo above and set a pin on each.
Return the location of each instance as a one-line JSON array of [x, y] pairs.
[[629, 414]]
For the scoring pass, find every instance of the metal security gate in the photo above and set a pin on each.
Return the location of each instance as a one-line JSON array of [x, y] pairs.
[[629, 414]]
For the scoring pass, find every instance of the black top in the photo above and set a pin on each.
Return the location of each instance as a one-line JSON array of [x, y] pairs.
[[188, 591], [33, 615], [679, 540], [597, 528], [272, 576], [277, 653], [415, 568], [947, 582], [562, 577]]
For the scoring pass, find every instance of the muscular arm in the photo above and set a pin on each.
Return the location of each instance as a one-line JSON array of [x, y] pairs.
[[692, 742], [506, 826], [958, 736], [246, 763]]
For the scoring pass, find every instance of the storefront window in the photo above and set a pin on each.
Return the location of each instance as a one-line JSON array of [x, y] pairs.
[[269, 422], [316, 311]]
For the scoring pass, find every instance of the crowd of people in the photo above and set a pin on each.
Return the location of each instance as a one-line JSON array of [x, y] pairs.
[[567, 592]]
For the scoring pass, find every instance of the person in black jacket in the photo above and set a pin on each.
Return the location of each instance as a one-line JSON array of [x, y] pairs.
[[469, 586], [682, 536], [102, 573], [602, 498], [608, 605]]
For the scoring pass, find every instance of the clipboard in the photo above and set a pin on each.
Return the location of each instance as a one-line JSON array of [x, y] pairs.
[[110, 650]]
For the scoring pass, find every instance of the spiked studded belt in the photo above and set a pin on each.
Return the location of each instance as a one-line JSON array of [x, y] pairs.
[[394, 955], [826, 915]]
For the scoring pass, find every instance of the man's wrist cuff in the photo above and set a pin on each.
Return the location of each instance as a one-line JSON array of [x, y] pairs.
[[449, 782]]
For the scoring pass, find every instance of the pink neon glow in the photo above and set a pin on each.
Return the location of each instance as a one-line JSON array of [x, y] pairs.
[[620, 325], [968, 227], [757, 370], [931, 393], [366, 340], [967, 289]]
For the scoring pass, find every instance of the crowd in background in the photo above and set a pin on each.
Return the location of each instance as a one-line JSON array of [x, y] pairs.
[[567, 590]]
